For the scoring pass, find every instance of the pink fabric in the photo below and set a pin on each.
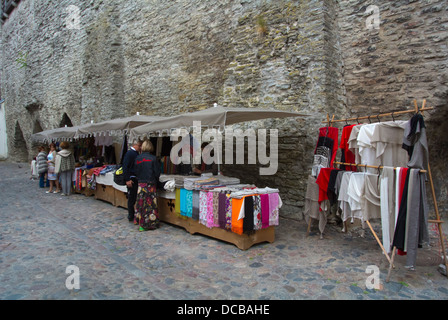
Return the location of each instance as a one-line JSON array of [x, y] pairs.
[[210, 218], [264, 210], [273, 209], [203, 207]]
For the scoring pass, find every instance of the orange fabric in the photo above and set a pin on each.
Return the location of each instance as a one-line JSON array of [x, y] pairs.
[[237, 225]]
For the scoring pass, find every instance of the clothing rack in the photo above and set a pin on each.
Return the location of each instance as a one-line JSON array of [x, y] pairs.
[[388, 114], [438, 220], [366, 166]]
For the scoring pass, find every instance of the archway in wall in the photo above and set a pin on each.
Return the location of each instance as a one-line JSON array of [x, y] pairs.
[[36, 128], [20, 151], [65, 121]]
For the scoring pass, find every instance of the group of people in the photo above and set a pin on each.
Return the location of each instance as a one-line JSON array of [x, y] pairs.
[[55, 168], [141, 171]]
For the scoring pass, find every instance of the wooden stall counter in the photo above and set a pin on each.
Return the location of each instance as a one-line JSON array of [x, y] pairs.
[[245, 241], [167, 214]]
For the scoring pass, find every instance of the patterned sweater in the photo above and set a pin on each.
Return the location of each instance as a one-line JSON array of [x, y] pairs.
[[67, 161]]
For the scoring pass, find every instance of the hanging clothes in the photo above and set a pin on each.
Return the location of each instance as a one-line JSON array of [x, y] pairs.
[[347, 156], [415, 142], [326, 149], [387, 140], [366, 149], [387, 204], [355, 192], [322, 181], [417, 216], [353, 142], [343, 197], [312, 206], [400, 228], [331, 189]]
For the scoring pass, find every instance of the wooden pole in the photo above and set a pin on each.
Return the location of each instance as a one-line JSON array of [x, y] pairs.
[[391, 264], [379, 242], [388, 114], [365, 165], [438, 221], [309, 227]]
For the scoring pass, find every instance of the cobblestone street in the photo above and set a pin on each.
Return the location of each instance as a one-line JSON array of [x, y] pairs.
[[41, 234]]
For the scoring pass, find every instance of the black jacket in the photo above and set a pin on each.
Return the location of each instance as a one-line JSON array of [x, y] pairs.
[[147, 168], [128, 164]]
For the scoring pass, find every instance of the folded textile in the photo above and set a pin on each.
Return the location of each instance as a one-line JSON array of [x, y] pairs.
[[170, 185]]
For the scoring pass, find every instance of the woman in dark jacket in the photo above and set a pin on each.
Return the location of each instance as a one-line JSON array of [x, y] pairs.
[[147, 170]]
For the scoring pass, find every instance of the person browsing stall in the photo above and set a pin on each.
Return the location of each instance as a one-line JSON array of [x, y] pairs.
[[65, 166], [42, 167], [52, 174], [130, 176], [147, 169]]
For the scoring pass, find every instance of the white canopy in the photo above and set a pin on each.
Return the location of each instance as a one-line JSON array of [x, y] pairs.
[[212, 117], [115, 126], [107, 127]]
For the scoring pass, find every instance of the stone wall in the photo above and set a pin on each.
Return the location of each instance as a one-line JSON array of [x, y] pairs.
[[163, 57]]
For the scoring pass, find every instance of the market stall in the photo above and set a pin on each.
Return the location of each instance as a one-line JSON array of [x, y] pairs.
[[218, 206], [214, 205]]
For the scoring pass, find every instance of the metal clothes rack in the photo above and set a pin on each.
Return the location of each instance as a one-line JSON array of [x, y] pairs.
[[438, 220]]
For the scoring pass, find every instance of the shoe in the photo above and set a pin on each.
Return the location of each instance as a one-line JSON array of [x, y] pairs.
[[141, 229], [48, 191], [57, 191], [63, 194]]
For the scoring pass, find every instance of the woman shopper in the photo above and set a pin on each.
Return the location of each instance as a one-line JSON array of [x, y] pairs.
[[52, 175], [65, 166], [147, 170], [42, 167]]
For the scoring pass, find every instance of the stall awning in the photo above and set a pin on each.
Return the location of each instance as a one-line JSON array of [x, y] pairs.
[[115, 126], [58, 134], [212, 117], [108, 127]]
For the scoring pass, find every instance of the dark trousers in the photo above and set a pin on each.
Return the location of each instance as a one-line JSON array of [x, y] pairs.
[[132, 197], [42, 180]]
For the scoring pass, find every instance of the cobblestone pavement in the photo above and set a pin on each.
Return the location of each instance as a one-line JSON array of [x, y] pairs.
[[42, 234]]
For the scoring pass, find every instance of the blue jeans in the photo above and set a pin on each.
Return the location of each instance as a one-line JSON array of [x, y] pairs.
[[42, 180]]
